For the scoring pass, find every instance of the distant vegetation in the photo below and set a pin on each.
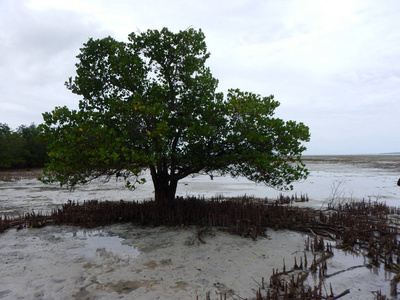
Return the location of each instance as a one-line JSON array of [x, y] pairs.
[[22, 148]]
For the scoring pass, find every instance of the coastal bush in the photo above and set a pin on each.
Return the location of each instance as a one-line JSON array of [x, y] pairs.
[[22, 148]]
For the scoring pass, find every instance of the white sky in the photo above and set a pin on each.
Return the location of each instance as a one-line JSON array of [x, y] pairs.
[[334, 65]]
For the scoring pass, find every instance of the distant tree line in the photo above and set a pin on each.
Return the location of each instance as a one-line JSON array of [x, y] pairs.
[[22, 148]]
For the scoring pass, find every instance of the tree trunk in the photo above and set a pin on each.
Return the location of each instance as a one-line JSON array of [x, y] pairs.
[[164, 187]]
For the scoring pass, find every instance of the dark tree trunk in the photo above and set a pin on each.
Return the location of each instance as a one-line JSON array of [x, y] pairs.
[[164, 190], [164, 186]]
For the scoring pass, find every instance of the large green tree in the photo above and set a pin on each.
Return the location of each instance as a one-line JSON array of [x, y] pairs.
[[151, 103]]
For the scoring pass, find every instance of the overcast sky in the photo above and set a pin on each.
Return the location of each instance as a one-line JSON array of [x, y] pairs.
[[334, 65]]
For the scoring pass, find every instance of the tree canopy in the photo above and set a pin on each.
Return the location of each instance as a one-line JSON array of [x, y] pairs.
[[151, 103], [21, 148]]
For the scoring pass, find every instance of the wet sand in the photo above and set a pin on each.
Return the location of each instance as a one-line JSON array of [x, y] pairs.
[[127, 262], [123, 262]]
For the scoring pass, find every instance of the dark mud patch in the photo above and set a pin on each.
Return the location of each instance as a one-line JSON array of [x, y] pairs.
[[386, 162], [152, 264], [180, 285], [125, 287], [19, 174]]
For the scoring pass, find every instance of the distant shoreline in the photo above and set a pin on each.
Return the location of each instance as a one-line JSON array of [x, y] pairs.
[[352, 155], [369, 159], [390, 153]]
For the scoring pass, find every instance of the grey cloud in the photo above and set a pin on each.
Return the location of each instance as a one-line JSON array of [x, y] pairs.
[[342, 82], [37, 57]]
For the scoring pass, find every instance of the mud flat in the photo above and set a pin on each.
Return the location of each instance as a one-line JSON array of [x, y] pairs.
[[127, 262], [340, 177], [124, 262]]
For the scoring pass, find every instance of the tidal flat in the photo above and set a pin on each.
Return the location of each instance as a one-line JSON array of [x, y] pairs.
[[123, 261]]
